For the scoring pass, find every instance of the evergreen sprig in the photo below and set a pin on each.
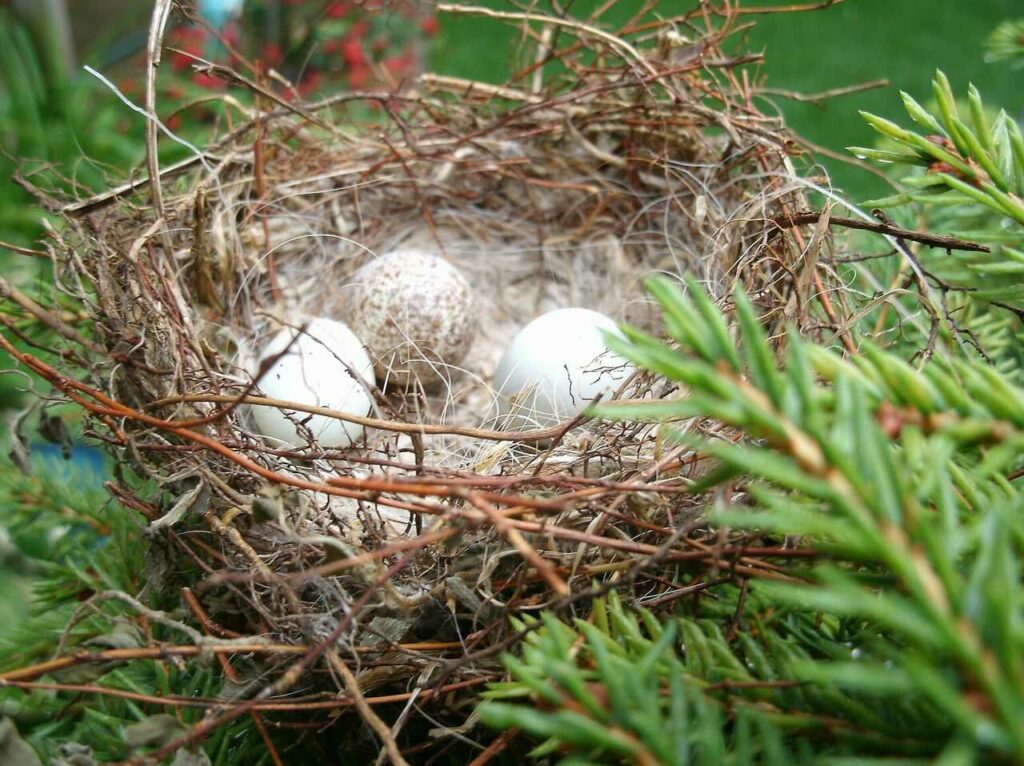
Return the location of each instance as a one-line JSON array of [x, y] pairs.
[[971, 159], [900, 474], [964, 171], [1006, 43], [64, 530], [902, 479], [627, 686]]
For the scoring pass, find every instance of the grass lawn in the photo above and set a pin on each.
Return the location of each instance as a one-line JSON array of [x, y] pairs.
[[855, 41]]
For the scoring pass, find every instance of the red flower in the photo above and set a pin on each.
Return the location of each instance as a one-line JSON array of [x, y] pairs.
[[187, 40], [180, 62], [353, 53], [358, 77], [400, 65], [203, 80], [272, 54], [188, 36], [431, 26], [338, 10], [310, 83]]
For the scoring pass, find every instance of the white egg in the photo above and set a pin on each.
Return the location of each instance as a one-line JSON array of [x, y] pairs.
[[415, 312], [556, 367], [322, 368]]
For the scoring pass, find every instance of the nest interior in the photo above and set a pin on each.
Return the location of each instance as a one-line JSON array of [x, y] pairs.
[[609, 157]]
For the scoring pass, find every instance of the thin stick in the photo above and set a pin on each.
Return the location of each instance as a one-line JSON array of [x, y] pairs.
[[824, 95], [98, 200], [23, 250], [158, 23], [146, 653], [51, 319], [575, 25], [540, 434], [786, 8], [495, 748], [942, 241], [279, 706], [232, 674], [366, 712], [507, 529]]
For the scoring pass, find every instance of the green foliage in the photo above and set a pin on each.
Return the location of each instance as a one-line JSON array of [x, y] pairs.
[[971, 159], [963, 172], [898, 476], [58, 529], [623, 687], [76, 545], [1006, 43], [46, 122], [628, 686]]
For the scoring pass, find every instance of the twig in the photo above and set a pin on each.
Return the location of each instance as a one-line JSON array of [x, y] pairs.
[[750, 10], [51, 319], [495, 748], [158, 23], [575, 25], [540, 434], [930, 240], [470, 88], [23, 250], [366, 712], [507, 529], [232, 674], [146, 652], [90, 204], [279, 706], [817, 98], [249, 646]]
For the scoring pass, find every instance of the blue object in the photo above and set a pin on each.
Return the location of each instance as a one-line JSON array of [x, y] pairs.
[[219, 12], [88, 464]]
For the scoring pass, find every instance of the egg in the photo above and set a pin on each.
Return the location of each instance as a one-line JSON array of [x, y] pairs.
[[416, 314], [326, 366], [556, 366]]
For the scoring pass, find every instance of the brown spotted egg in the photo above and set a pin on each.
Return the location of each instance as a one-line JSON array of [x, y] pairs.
[[414, 311]]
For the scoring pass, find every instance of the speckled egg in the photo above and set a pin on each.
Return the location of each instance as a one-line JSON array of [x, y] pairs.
[[415, 313]]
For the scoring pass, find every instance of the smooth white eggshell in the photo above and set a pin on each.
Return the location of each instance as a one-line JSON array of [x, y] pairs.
[[556, 366], [320, 369], [415, 312]]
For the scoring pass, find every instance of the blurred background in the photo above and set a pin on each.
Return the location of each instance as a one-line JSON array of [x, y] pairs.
[[52, 111], [62, 127]]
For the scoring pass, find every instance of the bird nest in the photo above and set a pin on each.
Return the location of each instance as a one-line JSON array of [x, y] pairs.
[[609, 157]]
